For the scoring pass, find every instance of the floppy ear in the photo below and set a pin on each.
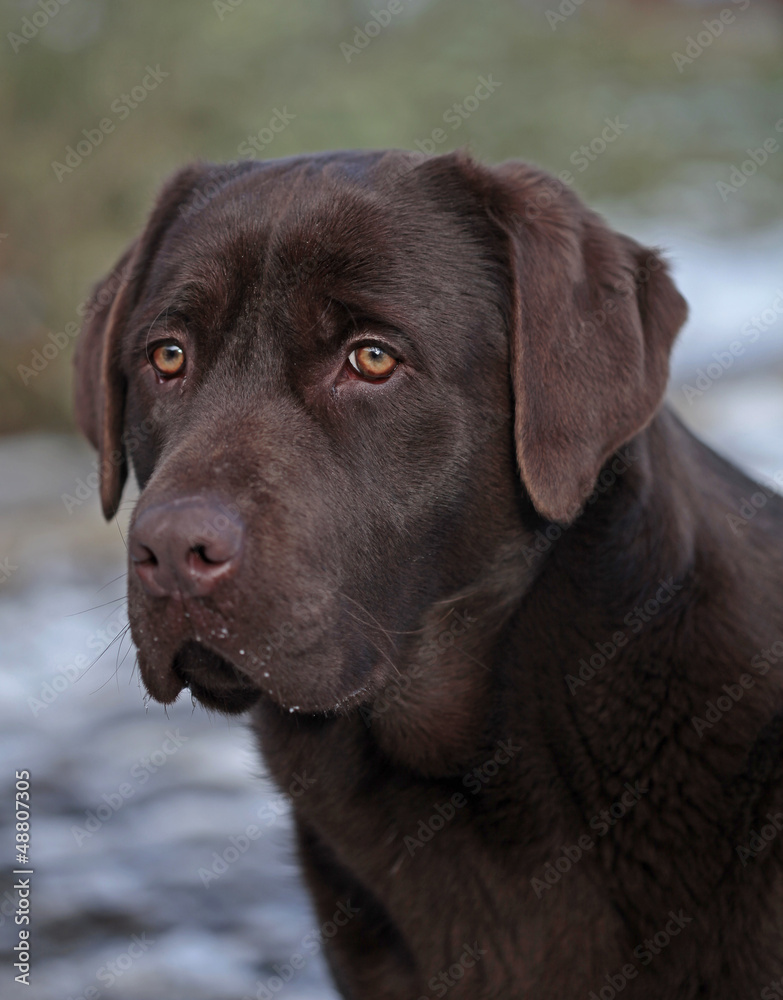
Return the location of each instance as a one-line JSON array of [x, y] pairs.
[[594, 317], [99, 384], [99, 388]]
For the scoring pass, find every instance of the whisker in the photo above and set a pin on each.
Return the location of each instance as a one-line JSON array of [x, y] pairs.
[[381, 652], [119, 662], [75, 614], [116, 578], [119, 635], [386, 631], [121, 534]]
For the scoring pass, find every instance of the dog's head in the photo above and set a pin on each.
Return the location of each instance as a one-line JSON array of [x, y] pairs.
[[345, 384]]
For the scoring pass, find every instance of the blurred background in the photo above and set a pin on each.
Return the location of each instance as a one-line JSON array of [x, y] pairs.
[[667, 117]]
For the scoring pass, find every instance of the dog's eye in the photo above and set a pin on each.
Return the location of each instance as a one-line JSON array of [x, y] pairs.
[[168, 359], [372, 362]]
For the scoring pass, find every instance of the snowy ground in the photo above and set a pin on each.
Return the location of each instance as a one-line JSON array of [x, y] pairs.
[[129, 806]]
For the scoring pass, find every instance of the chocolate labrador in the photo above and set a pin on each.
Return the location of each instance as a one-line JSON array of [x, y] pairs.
[[409, 496]]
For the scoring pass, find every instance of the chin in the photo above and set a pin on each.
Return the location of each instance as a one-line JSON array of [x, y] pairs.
[[316, 686]]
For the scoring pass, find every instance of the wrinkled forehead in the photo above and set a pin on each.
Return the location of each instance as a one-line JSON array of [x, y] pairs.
[[362, 231]]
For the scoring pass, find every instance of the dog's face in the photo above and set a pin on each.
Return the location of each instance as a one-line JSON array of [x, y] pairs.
[[328, 373]]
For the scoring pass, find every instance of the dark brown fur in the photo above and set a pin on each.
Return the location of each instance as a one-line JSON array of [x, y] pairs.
[[427, 561]]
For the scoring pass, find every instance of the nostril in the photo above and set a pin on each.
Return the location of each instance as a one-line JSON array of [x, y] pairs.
[[142, 555], [205, 558], [201, 556], [218, 548]]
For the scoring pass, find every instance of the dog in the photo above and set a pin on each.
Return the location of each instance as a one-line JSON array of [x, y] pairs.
[[411, 498]]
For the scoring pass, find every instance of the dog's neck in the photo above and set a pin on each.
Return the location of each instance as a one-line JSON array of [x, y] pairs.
[[582, 627]]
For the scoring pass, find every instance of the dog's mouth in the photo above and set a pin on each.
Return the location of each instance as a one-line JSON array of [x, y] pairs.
[[213, 680], [303, 671]]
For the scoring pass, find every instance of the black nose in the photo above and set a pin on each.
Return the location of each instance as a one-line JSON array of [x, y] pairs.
[[186, 546]]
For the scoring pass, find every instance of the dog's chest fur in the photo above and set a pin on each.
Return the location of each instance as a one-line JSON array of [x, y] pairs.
[[487, 866]]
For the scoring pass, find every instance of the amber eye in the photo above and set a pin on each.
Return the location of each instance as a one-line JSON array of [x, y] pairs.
[[372, 362], [168, 359]]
